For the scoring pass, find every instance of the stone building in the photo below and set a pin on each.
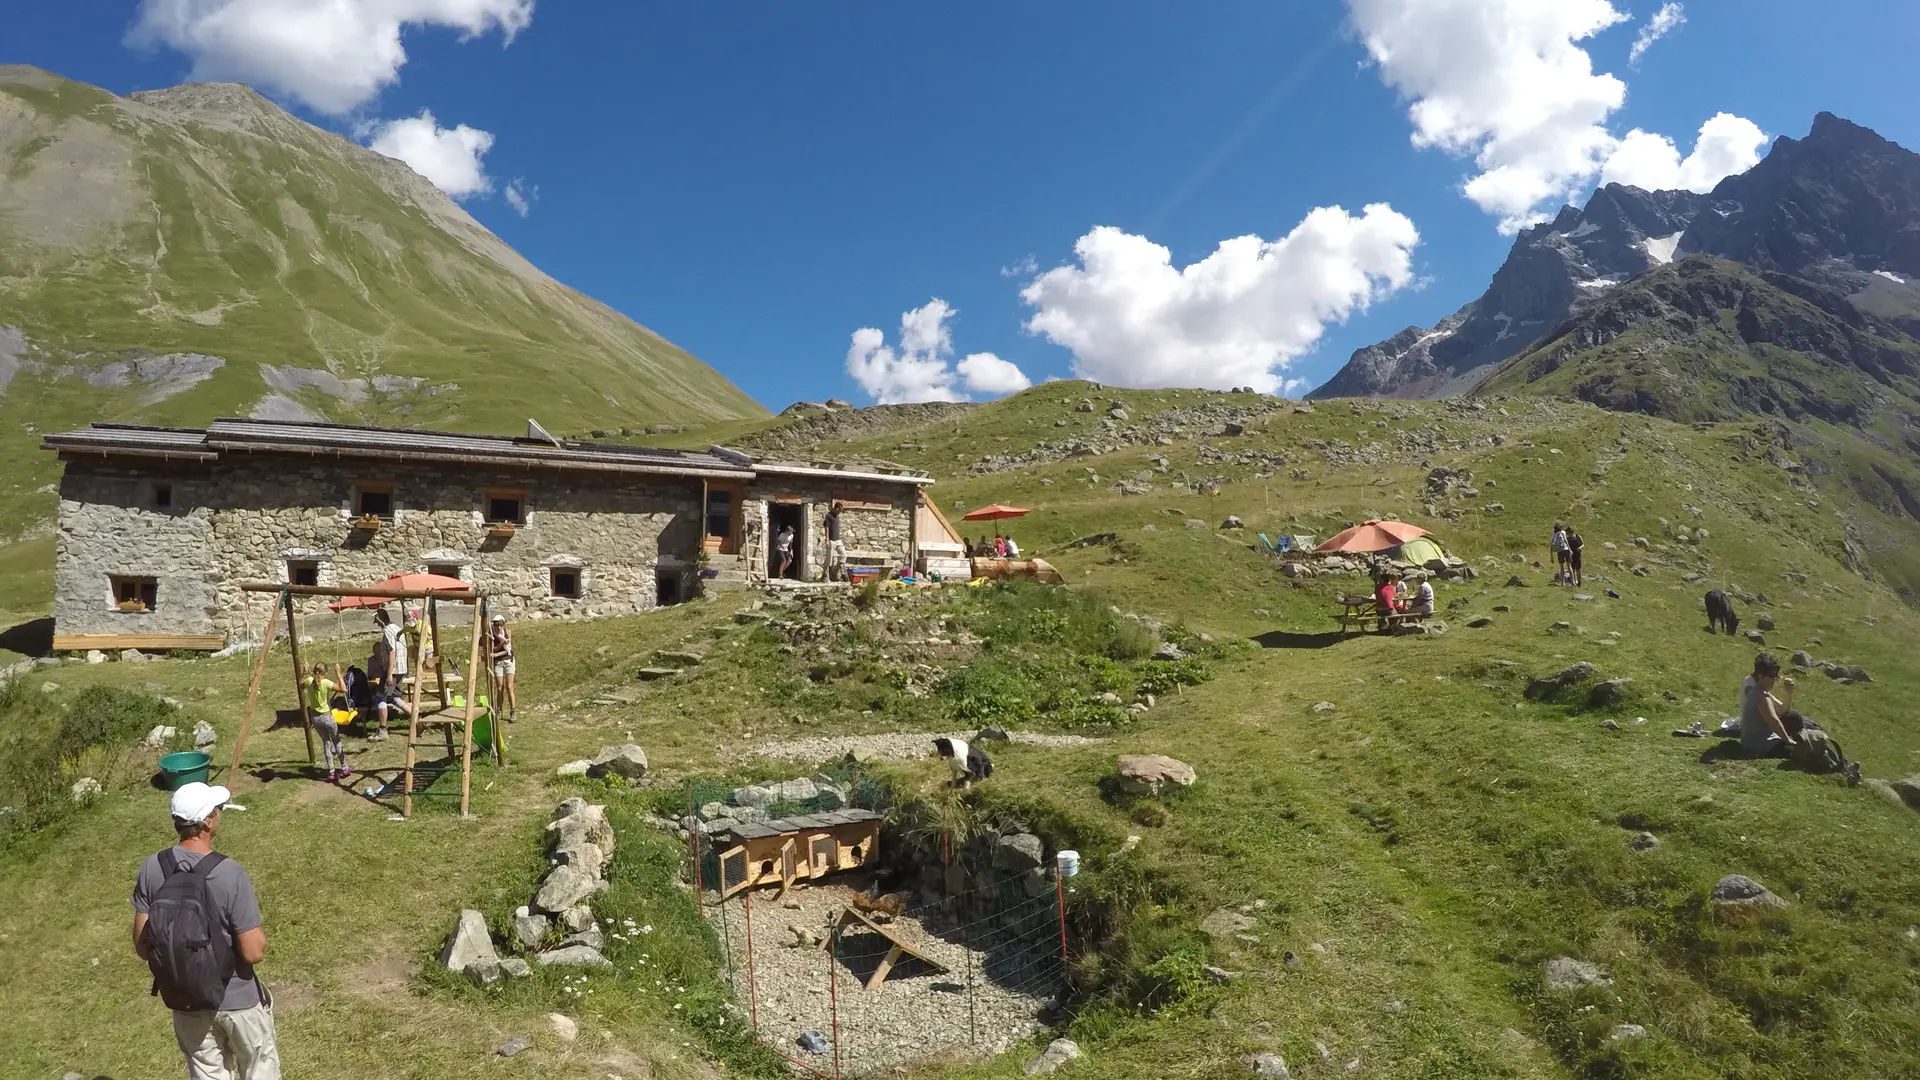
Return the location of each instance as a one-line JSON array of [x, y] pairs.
[[160, 526]]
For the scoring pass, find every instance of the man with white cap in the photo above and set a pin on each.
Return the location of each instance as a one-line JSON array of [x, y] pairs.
[[196, 922]]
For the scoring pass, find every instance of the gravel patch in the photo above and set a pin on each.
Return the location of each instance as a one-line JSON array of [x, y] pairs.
[[917, 1013], [895, 746]]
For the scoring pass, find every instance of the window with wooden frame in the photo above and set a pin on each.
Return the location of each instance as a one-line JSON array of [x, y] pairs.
[[564, 582], [303, 571], [504, 506], [373, 499], [133, 592], [160, 495], [446, 569]]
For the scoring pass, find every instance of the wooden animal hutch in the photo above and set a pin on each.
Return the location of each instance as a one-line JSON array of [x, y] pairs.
[[785, 850]]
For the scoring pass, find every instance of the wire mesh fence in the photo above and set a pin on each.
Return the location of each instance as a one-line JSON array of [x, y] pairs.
[[968, 960]]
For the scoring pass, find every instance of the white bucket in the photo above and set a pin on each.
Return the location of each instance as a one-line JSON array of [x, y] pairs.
[[1068, 863]]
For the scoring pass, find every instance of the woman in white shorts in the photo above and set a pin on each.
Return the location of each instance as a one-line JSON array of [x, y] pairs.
[[500, 651]]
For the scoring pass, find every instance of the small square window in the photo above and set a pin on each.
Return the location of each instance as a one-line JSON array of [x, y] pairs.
[[162, 495], [303, 572], [507, 507], [451, 570], [565, 582], [132, 593], [373, 501]]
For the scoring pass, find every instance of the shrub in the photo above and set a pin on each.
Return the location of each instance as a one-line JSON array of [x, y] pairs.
[[1131, 641], [1162, 676], [867, 595]]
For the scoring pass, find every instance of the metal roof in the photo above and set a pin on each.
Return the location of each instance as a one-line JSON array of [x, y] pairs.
[[237, 434]]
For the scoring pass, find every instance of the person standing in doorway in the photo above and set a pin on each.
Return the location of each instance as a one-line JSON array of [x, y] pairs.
[[783, 550], [500, 652], [197, 924], [836, 551], [1575, 548]]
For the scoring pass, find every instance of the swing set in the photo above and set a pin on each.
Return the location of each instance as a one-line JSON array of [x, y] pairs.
[[448, 714]]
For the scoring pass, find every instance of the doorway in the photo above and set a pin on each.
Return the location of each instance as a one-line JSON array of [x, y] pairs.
[[783, 516]]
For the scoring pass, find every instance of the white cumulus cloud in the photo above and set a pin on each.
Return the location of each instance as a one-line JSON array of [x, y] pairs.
[[449, 157], [920, 368], [1663, 22], [333, 55], [1727, 144], [988, 374], [1235, 318], [1508, 82]]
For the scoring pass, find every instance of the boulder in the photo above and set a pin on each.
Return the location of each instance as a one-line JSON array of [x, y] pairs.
[[1150, 774], [1225, 924], [204, 735], [564, 887], [572, 956], [1802, 659], [468, 944], [563, 1027], [626, 761], [1566, 974], [1057, 1053], [1021, 851], [1764, 622], [1267, 1066], [992, 732], [84, 790], [584, 855], [576, 919], [530, 929], [1168, 651], [591, 937], [1196, 523], [1755, 636], [1738, 898], [160, 736], [1628, 1032], [484, 971], [589, 824], [1556, 687], [1324, 707], [515, 968], [95, 656], [1480, 623], [576, 767], [133, 656], [1642, 841], [1908, 790], [1610, 692]]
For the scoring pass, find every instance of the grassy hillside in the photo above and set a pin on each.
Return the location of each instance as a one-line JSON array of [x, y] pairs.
[[1421, 848], [278, 269]]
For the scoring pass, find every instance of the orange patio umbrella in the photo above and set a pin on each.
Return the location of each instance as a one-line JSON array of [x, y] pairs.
[[1372, 536], [995, 513], [421, 582]]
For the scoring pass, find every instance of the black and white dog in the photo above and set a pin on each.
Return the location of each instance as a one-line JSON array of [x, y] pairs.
[[969, 763], [1720, 612]]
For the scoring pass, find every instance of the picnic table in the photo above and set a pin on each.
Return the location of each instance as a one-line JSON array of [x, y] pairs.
[[1358, 611]]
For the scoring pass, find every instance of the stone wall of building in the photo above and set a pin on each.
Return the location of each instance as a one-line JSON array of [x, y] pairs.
[[248, 518], [251, 516]]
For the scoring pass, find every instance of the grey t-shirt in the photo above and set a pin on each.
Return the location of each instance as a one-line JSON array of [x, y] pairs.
[[234, 903], [1756, 737]]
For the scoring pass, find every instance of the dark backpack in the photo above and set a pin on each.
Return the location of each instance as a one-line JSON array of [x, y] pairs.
[[187, 949], [359, 689]]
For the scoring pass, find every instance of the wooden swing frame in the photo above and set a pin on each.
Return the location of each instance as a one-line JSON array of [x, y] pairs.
[[284, 601]]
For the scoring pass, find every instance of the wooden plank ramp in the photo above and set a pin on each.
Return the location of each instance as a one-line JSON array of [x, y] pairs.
[[897, 948]]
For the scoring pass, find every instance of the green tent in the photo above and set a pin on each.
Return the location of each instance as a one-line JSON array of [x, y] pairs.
[[1419, 551]]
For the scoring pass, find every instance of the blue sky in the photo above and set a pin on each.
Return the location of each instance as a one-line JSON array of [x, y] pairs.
[[758, 181]]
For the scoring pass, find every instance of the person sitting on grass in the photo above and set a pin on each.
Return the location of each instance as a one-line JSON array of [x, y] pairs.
[[318, 691], [1769, 727]]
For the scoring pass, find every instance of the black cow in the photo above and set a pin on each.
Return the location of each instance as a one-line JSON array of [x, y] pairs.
[[1720, 612]]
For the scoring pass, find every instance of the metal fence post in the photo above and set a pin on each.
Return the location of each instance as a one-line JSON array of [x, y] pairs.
[[833, 996], [753, 993]]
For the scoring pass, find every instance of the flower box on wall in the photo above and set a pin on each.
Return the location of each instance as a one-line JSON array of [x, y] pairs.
[[131, 607], [369, 523], [501, 529]]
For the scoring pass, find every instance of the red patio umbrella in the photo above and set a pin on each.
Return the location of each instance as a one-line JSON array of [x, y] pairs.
[[418, 582], [1372, 536], [995, 513]]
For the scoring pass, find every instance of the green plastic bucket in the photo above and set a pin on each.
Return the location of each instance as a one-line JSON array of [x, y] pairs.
[[184, 768]]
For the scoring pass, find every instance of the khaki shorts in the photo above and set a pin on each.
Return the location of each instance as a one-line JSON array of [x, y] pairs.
[[237, 1045], [502, 668]]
